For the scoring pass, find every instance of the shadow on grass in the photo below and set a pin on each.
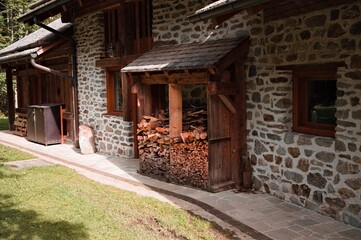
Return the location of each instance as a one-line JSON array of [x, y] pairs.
[[4, 173], [27, 224], [4, 125]]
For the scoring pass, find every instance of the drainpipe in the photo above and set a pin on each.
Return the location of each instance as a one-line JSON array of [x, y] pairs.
[[46, 69], [74, 77]]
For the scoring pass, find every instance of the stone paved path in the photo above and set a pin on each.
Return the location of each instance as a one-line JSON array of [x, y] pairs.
[[259, 215]]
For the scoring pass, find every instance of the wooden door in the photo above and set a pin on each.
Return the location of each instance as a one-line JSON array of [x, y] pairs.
[[226, 130], [220, 145]]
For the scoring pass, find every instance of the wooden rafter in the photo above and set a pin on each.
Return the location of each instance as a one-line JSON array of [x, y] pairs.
[[240, 52], [228, 103], [172, 77]]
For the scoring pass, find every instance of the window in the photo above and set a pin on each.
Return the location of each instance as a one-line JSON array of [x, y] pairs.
[[314, 100], [128, 28], [114, 92]]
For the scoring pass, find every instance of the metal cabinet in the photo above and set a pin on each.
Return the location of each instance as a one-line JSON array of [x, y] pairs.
[[44, 124]]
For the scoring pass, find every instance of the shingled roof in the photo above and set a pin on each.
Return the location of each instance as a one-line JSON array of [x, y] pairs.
[[32, 42], [184, 56]]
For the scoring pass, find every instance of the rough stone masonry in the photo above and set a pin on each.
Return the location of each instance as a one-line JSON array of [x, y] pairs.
[[315, 172], [318, 173]]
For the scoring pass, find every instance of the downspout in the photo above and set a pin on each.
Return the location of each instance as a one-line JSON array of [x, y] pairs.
[[46, 69], [74, 77]]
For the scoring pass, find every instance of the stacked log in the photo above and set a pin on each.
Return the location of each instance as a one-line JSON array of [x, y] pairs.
[[189, 161], [181, 160], [154, 148]]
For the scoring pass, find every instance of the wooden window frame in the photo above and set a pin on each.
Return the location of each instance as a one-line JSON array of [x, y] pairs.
[[301, 77], [110, 86], [128, 28]]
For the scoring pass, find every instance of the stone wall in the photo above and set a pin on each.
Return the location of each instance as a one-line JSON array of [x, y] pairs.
[[319, 173], [113, 136], [170, 23]]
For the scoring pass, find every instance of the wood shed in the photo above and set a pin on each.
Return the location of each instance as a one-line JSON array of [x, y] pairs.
[[40, 67], [157, 78]]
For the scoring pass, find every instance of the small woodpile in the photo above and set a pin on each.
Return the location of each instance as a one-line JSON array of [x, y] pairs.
[[181, 160]]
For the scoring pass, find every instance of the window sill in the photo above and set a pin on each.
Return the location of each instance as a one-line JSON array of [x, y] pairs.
[[108, 62], [315, 131], [113, 115]]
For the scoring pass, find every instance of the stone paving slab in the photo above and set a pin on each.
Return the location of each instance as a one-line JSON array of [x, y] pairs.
[[260, 215]]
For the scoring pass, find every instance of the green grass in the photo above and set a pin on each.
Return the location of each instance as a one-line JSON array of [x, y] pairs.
[[8, 154], [3, 123], [56, 203]]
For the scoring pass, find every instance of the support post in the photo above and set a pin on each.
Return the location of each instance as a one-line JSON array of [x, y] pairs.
[[175, 110], [126, 92], [11, 99]]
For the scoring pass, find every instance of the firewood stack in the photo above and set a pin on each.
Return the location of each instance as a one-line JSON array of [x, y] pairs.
[[181, 160], [154, 147]]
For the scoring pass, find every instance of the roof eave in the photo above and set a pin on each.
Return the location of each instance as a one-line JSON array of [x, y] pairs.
[[224, 9], [29, 16]]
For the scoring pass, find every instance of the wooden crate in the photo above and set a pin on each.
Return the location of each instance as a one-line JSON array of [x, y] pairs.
[[20, 124]]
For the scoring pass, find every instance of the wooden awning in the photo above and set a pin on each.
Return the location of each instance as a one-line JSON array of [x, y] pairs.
[[192, 56], [43, 9], [33, 43]]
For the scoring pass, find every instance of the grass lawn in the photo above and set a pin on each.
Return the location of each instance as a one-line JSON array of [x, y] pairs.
[[3, 123], [57, 203], [8, 154]]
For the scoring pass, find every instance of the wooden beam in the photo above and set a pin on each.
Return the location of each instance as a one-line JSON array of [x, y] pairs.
[[108, 62], [304, 67], [174, 78], [228, 103], [286, 8], [94, 7], [175, 110], [126, 92], [240, 52], [212, 70], [135, 122], [223, 88], [11, 98]]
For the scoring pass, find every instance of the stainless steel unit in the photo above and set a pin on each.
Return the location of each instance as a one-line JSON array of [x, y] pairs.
[[44, 124]]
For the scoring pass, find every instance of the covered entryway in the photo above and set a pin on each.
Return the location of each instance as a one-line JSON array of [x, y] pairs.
[[218, 66]]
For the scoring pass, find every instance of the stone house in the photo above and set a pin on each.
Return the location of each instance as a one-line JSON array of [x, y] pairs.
[[302, 55], [301, 107]]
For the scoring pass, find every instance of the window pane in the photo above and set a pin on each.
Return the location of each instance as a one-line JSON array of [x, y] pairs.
[[118, 100], [321, 101]]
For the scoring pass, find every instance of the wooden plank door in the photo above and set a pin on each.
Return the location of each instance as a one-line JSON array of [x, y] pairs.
[[220, 151], [226, 131]]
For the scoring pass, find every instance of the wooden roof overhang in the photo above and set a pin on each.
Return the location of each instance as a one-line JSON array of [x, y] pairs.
[[193, 63], [221, 10], [38, 42], [69, 9], [42, 10]]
